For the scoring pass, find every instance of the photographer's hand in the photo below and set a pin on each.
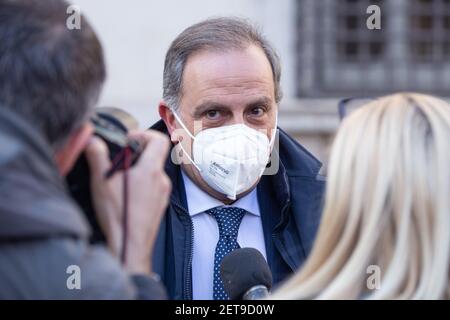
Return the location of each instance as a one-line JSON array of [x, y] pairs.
[[148, 194]]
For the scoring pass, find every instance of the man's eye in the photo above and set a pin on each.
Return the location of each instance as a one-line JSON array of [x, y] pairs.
[[257, 112], [212, 114]]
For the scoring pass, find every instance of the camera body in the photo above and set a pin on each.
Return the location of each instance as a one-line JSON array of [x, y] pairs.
[[109, 125]]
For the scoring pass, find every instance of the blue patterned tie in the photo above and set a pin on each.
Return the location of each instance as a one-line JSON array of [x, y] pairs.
[[228, 220]]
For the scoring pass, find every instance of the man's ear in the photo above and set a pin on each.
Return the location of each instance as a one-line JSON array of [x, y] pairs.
[[66, 156], [169, 119]]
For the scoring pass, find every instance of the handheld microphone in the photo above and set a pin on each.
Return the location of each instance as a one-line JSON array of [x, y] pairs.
[[246, 275]]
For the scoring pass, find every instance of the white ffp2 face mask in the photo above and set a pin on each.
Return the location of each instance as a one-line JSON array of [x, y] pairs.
[[230, 159]]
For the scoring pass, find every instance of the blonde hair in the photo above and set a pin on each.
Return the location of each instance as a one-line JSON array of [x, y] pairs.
[[387, 205]]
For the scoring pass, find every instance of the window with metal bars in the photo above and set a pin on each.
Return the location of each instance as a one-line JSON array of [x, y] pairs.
[[338, 55]]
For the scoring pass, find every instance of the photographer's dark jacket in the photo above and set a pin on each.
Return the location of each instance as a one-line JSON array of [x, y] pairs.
[[290, 205], [43, 235]]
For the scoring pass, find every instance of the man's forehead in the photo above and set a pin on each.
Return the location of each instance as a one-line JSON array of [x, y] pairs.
[[232, 88], [227, 67], [229, 75]]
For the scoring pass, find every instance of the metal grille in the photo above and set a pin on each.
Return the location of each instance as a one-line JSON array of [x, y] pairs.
[[354, 42], [338, 55], [429, 31]]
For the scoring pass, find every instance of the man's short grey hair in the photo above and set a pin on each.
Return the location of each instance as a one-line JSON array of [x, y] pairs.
[[49, 75], [213, 34]]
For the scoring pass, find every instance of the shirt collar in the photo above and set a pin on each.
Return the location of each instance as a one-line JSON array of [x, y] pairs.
[[199, 201]]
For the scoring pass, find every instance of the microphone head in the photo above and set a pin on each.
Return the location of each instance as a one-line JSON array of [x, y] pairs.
[[243, 269]]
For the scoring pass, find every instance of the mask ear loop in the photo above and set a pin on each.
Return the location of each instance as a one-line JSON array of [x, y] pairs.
[[190, 135], [272, 141], [274, 132]]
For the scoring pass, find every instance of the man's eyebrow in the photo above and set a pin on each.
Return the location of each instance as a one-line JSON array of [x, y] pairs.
[[266, 101], [199, 110], [210, 105]]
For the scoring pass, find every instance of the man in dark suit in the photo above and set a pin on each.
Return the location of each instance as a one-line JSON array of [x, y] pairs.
[[220, 106]]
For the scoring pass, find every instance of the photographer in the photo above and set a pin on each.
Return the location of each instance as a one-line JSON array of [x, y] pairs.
[[50, 79]]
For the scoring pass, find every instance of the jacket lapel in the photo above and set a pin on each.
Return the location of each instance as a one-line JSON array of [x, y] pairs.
[[290, 203]]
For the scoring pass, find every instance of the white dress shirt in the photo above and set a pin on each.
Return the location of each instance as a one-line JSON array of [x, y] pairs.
[[206, 234]]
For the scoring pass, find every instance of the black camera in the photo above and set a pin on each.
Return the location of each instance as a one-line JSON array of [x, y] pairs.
[[111, 125]]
